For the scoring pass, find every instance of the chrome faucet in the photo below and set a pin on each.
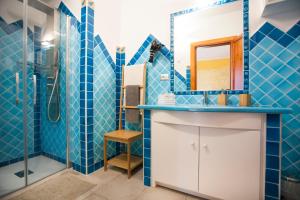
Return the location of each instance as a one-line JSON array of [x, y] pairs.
[[205, 98]]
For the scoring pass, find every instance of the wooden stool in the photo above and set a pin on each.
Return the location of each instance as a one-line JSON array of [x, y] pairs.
[[124, 161]]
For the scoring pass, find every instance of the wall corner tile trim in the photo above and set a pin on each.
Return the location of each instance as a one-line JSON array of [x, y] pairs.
[[86, 93]]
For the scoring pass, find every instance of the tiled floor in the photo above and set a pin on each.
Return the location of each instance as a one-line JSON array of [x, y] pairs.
[[41, 166], [114, 185]]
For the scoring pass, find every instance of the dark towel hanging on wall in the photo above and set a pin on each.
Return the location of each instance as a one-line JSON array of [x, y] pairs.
[[132, 99]]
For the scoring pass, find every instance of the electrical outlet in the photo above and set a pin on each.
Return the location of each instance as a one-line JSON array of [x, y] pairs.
[[164, 77]]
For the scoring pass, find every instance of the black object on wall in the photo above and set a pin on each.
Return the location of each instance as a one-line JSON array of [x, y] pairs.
[[155, 47]]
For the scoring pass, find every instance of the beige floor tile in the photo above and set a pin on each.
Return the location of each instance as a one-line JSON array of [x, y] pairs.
[[189, 197], [122, 188], [161, 193], [138, 175], [95, 197], [110, 185], [106, 176]]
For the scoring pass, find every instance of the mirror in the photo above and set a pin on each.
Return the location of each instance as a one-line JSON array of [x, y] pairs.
[[217, 64], [207, 45]]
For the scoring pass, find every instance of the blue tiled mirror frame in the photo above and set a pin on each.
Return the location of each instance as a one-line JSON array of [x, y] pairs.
[[245, 41]]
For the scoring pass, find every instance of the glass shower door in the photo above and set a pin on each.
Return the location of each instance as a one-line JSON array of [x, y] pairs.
[[47, 134], [12, 163], [33, 136]]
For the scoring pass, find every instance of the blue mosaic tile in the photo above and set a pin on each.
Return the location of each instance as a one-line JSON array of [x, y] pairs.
[[294, 31], [285, 40], [272, 162], [272, 176], [266, 28], [276, 34], [271, 190], [272, 148], [257, 37]]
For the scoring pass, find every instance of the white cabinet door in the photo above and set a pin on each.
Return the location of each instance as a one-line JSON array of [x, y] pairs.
[[175, 153], [229, 164]]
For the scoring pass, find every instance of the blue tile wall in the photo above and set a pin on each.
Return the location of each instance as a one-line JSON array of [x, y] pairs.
[[275, 81], [74, 84], [11, 115], [161, 65], [64, 9], [92, 92], [74, 90], [37, 106], [147, 149], [273, 157], [120, 61], [86, 86], [181, 82], [104, 100], [155, 86], [188, 78], [53, 134], [74, 94]]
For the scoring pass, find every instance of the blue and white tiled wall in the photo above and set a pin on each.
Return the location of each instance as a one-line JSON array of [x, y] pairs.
[[86, 86], [275, 80], [272, 52], [104, 100], [273, 165], [74, 76], [53, 134], [74, 87], [37, 107], [160, 65]]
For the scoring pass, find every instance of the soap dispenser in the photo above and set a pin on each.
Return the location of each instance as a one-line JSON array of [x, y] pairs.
[[222, 98]]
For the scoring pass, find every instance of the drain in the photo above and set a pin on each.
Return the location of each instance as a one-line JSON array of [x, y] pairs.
[[21, 173]]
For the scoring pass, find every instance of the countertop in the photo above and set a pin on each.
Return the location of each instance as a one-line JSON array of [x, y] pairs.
[[216, 108]]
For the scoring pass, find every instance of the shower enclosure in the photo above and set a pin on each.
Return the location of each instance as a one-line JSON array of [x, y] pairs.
[[33, 92]]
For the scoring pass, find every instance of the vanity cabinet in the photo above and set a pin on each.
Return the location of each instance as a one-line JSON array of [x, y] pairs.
[[229, 163], [176, 150], [208, 154]]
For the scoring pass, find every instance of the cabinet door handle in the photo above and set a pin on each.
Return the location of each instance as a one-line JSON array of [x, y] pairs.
[[193, 144]]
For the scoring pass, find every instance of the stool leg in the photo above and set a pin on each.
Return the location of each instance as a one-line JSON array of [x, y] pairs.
[[128, 160], [104, 156]]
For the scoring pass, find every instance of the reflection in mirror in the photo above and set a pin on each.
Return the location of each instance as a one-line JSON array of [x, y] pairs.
[[208, 44], [217, 64], [213, 68]]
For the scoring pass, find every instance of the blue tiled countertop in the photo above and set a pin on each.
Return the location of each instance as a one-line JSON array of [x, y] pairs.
[[216, 108]]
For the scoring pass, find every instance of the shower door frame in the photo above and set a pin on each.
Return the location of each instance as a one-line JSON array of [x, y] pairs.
[[24, 71]]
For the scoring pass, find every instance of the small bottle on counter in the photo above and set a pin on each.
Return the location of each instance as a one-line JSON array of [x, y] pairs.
[[222, 98]]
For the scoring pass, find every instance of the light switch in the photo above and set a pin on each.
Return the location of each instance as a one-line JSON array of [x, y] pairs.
[[164, 77]]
